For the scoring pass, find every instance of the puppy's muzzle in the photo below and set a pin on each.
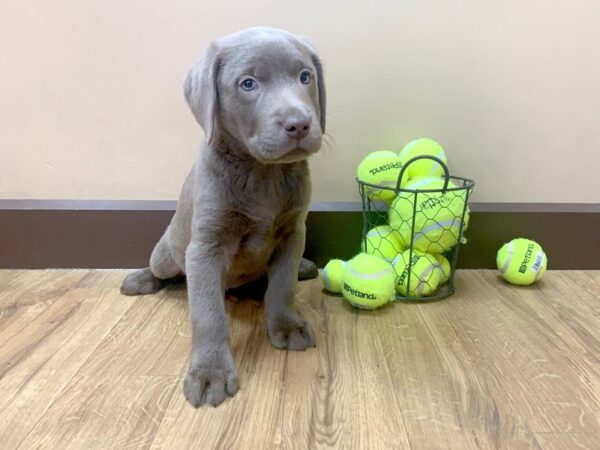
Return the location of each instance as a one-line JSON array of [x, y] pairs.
[[297, 126]]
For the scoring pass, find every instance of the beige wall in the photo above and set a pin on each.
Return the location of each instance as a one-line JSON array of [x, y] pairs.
[[91, 104]]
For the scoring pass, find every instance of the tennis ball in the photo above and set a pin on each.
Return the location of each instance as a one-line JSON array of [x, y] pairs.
[[382, 241], [381, 168], [426, 183], [423, 274], [368, 282], [331, 275], [423, 167], [437, 215], [443, 267], [521, 261]]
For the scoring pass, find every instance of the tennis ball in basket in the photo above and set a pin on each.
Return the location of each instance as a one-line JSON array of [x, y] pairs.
[[331, 275], [443, 267], [368, 282], [381, 168], [423, 274], [521, 261], [382, 241], [423, 167], [437, 215]]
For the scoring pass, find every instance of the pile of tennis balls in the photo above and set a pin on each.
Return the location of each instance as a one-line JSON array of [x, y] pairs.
[[386, 265]]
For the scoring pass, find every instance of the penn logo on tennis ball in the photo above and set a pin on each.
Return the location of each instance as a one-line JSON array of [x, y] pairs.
[[358, 293], [526, 258], [383, 167], [442, 200]]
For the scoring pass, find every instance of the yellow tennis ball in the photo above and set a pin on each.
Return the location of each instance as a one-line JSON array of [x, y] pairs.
[[521, 261], [381, 168], [423, 274], [437, 215], [427, 183], [423, 167], [443, 267], [368, 282], [382, 241], [331, 275]]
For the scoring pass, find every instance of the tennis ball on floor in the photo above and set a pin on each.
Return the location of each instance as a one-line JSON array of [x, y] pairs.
[[437, 215], [368, 282], [423, 274], [443, 267], [382, 241], [521, 261], [423, 167], [331, 275], [381, 168]]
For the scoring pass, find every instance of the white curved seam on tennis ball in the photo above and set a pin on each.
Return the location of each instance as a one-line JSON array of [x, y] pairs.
[[446, 274], [445, 224], [326, 279], [419, 289], [377, 251], [375, 232], [387, 237], [440, 267], [389, 183], [510, 249], [384, 184], [421, 183], [435, 164], [538, 256], [538, 274], [422, 280], [422, 235], [369, 276], [408, 147], [441, 155]]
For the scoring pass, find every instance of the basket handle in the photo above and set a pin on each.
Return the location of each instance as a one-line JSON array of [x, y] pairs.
[[416, 158]]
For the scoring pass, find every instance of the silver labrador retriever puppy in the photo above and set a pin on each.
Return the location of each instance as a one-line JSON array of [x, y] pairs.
[[259, 96]]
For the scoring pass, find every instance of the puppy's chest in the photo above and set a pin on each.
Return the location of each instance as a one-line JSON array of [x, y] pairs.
[[266, 228], [264, 209]]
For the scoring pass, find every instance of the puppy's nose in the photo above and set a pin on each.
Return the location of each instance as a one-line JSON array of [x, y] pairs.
[[297, 126]]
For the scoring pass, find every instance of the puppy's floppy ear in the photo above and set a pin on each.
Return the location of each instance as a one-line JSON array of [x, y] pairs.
[[320, 79], [201, 91]]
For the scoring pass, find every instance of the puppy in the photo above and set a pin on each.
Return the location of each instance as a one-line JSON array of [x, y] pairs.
[[259, 95]]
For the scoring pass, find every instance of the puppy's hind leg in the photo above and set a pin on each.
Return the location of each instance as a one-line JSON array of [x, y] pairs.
[[152, 279]]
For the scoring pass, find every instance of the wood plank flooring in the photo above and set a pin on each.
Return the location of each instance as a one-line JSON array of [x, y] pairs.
[[493, 367]]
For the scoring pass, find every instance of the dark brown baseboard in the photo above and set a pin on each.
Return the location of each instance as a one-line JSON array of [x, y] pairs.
[[121, 234]]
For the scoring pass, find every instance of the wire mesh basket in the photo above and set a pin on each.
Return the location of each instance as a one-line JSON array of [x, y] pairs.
[[418, 228]]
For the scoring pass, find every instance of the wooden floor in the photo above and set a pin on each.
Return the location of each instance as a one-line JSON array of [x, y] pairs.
[[492, 367]]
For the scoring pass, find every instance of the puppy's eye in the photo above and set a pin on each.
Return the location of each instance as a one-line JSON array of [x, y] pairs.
[[249, 84], [305, 77]]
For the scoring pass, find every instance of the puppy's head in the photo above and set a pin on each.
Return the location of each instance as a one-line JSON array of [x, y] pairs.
[[264, 89]]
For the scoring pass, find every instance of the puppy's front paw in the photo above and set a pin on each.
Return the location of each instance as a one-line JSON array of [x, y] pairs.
[[211, 378], [290, 331]]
